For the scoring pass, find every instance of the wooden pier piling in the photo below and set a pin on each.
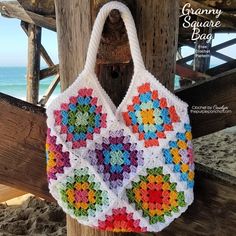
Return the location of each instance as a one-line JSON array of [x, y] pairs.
[[33, 68]]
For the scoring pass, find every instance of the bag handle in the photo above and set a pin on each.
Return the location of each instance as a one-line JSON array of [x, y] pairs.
[[97, 32]]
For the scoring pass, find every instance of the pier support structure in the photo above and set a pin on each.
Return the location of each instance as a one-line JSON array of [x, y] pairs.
[[33, 68]]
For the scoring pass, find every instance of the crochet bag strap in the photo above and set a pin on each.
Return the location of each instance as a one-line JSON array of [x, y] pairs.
[[97, 32]]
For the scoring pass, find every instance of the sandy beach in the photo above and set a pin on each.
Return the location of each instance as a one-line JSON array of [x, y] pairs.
[[37, 217], [34, 217], [217, 150]]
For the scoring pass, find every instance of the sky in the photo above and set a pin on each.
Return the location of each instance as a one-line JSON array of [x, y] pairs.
[[13, 44]]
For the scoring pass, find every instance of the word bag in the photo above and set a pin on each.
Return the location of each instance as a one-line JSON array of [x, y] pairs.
[[120, 169]]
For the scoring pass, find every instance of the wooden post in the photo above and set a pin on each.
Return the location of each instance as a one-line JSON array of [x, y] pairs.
[[33, 68], [157, 25]]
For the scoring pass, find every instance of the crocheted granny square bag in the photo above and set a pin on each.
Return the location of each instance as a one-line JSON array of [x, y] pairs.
[[120, 169]]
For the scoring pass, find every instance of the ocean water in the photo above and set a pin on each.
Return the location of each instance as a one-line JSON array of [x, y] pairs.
[[13, 82]]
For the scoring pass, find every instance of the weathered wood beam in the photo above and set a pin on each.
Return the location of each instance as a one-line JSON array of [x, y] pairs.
[[15, 10], [7, 193], [39, 6], [33, 67], [22, 156], [50, 71], [46, 56], [217, 47], [53, 69], [43, 52], [23, 166], [221, 56], [224, 44], [222, 68], [219, 4], [50, 90], [186, 72], [218, 92], [226, 19]]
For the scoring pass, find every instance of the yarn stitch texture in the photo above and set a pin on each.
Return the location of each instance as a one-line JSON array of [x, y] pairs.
[[155, 195], [82, 194], [150, 116], [116, 158], [57, 160], [124, 169], [120, 221]]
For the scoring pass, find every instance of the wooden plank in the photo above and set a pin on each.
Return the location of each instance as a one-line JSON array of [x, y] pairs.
[[226, 19], [224, 44], [33, 67], [157, 39], [228, 6], [50, 90], [23, 166], [222, 56], [222, 68], [215, 92], [186, 72], [50, 71], [43, 52], [39, 6], [15, 10], [22, 155], [7, 193], [45, 56]]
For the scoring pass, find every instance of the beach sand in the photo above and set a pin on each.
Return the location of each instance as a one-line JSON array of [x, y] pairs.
[[217, 150], [34, 217], [37, 217]]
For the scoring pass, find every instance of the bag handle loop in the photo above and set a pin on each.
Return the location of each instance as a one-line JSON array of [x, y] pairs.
[[97, 32]]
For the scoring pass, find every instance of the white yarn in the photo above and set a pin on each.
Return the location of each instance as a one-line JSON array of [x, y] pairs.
[[97, 32]]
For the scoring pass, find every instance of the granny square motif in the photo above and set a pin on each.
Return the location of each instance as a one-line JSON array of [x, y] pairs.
[[124, 169]]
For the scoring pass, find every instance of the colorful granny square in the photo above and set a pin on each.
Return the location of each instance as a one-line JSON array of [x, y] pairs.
[[155, 195], [180, 155], [81, 118], [82, 194], [120, 221], [150, 116], [116, 158], [57, 160]]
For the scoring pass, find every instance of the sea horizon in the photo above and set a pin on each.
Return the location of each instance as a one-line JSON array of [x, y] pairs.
[[13, 82]]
